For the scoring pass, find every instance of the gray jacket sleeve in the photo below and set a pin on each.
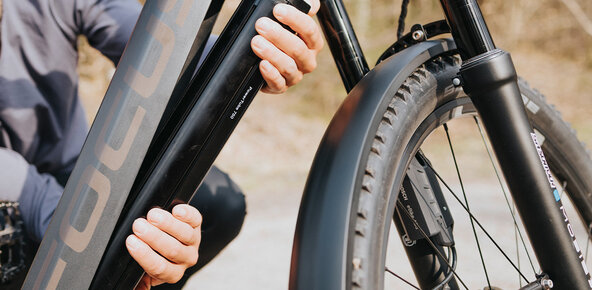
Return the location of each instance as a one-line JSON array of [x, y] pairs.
[[108, 24], [38, 201], [38, 194]]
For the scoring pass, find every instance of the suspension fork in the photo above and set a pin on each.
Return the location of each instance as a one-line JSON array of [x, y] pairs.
[[489, 78]]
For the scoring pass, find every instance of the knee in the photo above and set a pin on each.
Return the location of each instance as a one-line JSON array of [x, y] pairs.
[[230, 210], [221, 203]]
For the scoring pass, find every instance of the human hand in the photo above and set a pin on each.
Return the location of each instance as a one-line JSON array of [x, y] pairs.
[[286, 57], [165, 244]]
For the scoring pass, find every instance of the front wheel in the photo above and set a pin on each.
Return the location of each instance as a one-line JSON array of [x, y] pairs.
[[432, 123]]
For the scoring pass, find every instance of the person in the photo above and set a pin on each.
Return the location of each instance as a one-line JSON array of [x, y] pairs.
[[43, 127]]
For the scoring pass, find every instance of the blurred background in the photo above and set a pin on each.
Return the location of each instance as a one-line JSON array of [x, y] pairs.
[[272, 148]]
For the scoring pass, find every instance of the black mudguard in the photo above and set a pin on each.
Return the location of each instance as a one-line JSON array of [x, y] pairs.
[[320, 251]]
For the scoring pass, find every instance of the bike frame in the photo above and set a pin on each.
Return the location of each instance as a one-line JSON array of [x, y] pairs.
[[321, 240]]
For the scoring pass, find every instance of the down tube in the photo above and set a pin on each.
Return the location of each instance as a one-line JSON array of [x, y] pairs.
[[105, 171]]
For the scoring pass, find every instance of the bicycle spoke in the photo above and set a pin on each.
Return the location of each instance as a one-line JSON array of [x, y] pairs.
[[401, 278], [588, 243], [477, 222], [562, 189], [512, 211], [517, 254], [467, 204]]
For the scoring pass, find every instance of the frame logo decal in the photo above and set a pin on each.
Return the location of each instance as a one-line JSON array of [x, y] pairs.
[[545, 164]]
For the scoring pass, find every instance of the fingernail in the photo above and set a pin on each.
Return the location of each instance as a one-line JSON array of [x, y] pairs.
[[140, 226], [265, 65], [180, 211], [156, 216], [264, 24], [280, 10], [132, 242], [258, 43]]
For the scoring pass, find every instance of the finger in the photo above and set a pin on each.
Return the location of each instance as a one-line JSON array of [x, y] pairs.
[[314, 6], [167, 246], [187, 214], [182, 231], [276, 84], [281, 61], [301, 23], [288, 43], [155, 265]]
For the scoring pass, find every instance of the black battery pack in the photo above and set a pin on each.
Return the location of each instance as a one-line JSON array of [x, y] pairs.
[[190, 140]]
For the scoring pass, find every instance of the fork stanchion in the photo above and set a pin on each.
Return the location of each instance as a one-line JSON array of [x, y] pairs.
[[489, 78]]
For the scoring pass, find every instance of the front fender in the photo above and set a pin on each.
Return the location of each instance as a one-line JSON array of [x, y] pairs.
[[320, 251]]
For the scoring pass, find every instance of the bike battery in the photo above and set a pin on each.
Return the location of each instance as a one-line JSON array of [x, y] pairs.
[[201, 124]]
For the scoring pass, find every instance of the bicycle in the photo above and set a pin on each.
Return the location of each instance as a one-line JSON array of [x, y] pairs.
[[343, 225]]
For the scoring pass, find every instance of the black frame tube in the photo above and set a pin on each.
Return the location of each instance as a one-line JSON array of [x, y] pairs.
[[113, 266], [468, 27], [343, 42], [205, 116]]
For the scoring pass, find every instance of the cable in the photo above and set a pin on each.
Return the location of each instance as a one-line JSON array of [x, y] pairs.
[[402, 16]]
